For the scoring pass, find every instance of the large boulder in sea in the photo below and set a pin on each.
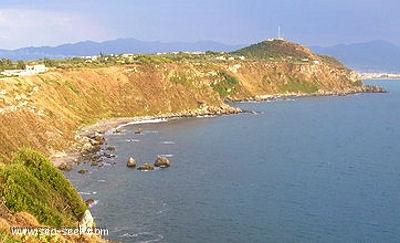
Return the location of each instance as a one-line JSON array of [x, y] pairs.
[[131, 162], [162, 162], [65, 166], [146, 166], [138, 130], [83, 171], [89, 202]]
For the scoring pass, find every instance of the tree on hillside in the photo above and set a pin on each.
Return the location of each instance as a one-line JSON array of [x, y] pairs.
[[20, 64], [6, 63]]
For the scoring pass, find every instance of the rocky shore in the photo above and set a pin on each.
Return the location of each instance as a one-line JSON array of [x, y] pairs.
[[90, 144], [358, 90]]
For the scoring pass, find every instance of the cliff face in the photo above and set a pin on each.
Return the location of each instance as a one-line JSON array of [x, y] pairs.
[[44, 111]]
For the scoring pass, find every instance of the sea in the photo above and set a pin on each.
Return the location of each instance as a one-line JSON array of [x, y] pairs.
[[301, 169]]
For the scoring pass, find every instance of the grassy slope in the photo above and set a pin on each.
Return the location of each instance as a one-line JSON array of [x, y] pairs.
[[32, 184], [276, 49]]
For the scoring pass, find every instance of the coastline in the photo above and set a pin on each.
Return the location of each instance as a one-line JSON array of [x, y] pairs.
[[91, 133], [94, 134], [379, 76]]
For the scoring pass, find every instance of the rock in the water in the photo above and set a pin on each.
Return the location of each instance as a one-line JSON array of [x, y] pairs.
[[110, 148], [89, 202], [146, 166], [95, 162], [162, 162], [131, 162], [65, 166], [138, 131], [83, 171]]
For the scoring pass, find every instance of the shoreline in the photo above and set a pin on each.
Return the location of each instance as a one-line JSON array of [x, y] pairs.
[[89, 138], [88, 135], [94, 134], [97, 131]]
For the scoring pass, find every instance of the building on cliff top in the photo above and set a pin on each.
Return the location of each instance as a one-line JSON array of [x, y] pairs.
[[29, 70]]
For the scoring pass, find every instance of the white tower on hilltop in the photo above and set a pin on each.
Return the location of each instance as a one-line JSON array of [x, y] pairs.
[[279, 33], [279, 37]]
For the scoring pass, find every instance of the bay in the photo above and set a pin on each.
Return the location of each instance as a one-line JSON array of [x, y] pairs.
[[311, 169]]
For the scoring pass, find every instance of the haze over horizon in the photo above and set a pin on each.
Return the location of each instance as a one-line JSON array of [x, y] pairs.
[[52, 23]]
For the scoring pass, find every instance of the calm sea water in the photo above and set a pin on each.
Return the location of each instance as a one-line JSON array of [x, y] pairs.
[[315, 169]]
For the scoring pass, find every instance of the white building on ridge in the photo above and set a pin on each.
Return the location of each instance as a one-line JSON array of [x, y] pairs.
[[29, 70]]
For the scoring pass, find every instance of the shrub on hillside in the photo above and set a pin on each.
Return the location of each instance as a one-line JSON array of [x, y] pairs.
[[32, 184]]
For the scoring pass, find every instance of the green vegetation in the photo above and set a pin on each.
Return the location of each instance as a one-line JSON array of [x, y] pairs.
[[104, 60], [266, 80], [228, 85], [275, 50], [32, 184], [182, 79], [6, 63], [7, 238], [359, 83], [296, 85], [332, 62]]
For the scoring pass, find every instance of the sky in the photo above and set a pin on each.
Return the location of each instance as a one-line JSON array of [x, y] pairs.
[[26, 23]]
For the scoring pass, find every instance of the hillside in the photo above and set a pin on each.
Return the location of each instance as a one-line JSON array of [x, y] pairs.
[[373, 56], [44, 111]]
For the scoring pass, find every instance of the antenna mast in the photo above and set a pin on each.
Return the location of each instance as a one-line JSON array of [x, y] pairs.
[[279, 32]]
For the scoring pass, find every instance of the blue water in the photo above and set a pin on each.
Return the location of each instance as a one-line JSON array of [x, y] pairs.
[[314, 169]]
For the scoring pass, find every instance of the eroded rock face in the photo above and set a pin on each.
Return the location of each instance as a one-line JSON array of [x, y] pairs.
[[162, 162], [86, 222], [131, 162]]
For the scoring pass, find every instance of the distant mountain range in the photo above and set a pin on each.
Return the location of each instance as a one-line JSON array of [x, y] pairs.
[[119, 46], [373, 56]]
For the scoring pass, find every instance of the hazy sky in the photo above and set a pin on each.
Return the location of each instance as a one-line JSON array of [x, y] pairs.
[[310, 22]]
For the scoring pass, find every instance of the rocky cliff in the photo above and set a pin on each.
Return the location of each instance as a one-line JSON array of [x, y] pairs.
[[44, 111]]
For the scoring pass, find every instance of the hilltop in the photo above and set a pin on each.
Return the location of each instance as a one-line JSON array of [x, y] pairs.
[[282, 50], [44, 111], [277, 49]]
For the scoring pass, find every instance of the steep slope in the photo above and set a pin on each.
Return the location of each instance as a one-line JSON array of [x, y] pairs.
[[32, 184], [43, 111]]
